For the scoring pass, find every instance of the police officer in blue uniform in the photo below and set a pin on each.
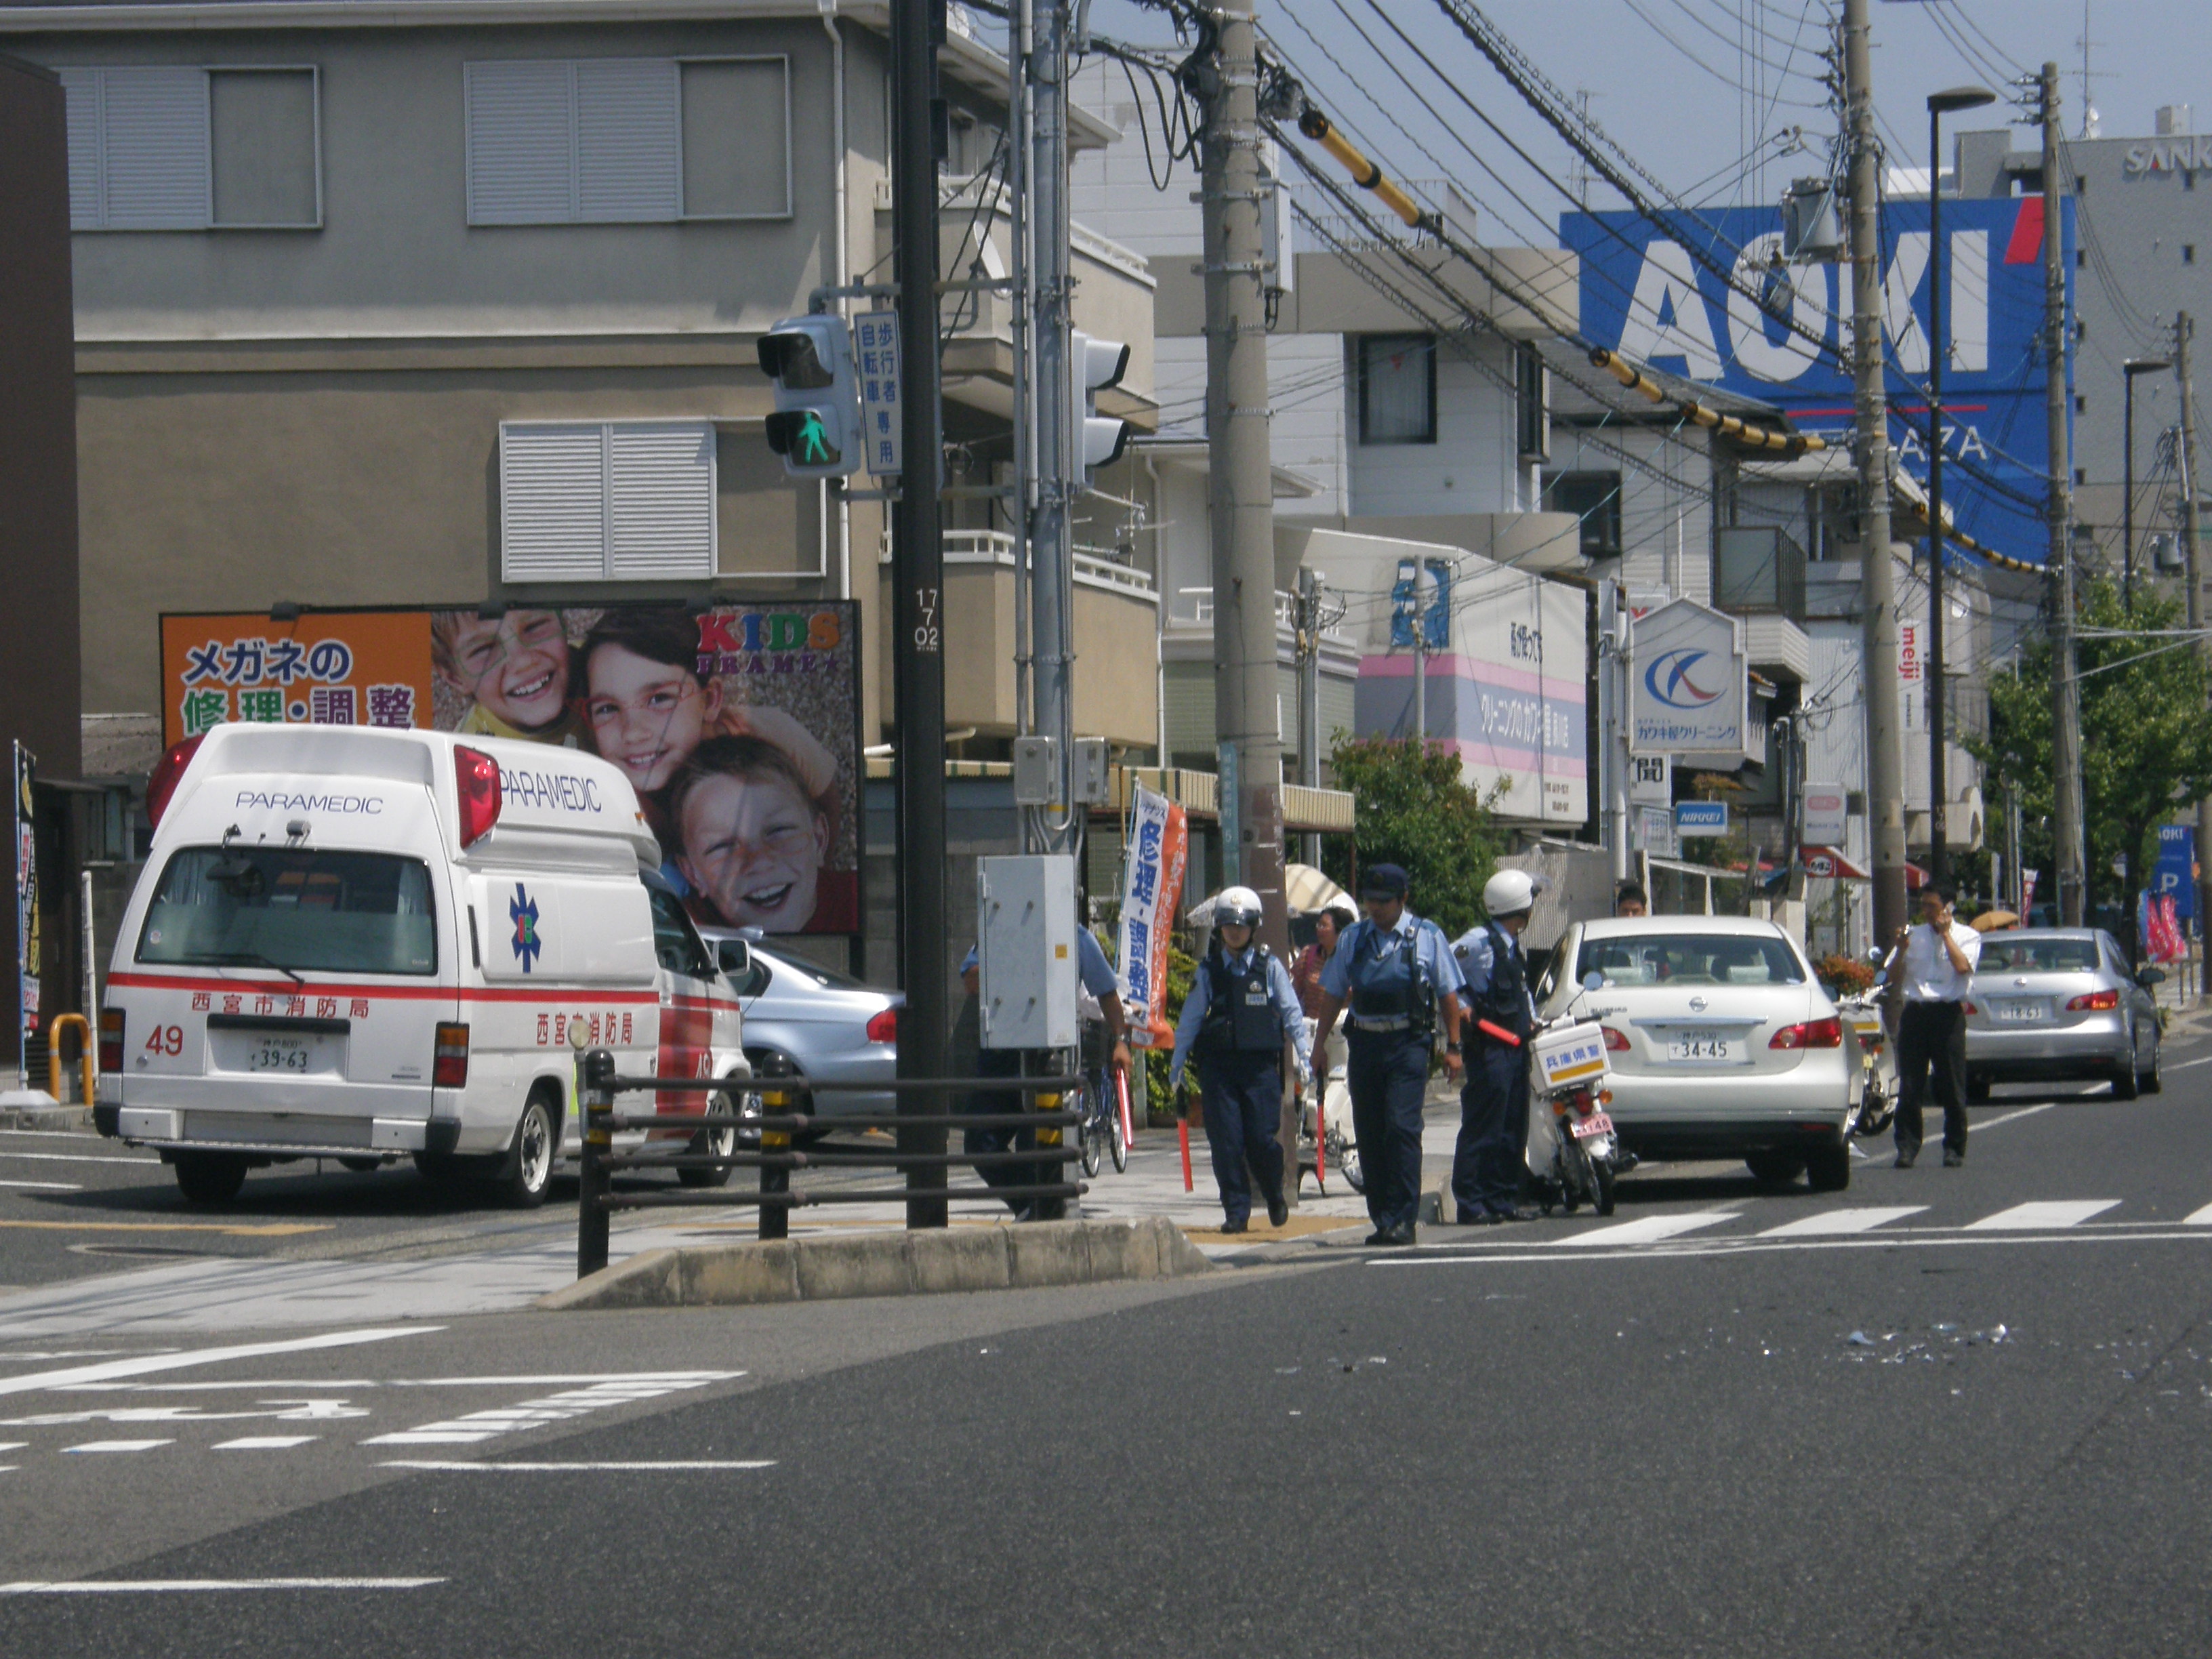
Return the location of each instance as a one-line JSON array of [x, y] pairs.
[[1397, 973], [1096, 976], [1494, 1113], [1241, 1009]]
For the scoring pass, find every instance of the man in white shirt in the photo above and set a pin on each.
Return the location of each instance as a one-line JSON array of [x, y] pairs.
[[1936, 959]]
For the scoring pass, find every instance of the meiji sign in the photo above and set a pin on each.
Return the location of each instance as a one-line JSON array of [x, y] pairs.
[[1908, 652], [1687, 681]]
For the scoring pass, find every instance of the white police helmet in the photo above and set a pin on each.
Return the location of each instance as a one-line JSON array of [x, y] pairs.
[[1508, 893], [1237, 907]]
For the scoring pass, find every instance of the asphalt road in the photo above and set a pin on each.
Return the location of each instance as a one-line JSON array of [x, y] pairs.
[[1924, 1420]]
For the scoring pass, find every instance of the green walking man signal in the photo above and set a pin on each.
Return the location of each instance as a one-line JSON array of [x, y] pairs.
[[816, 424]]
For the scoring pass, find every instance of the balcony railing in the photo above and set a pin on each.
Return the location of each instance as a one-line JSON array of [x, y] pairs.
[[1285, 614], [1093, 567]]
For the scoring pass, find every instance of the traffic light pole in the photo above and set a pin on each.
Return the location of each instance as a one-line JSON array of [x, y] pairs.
[[918, 609], [2184, 326], [2070, 855], [1056, 827]]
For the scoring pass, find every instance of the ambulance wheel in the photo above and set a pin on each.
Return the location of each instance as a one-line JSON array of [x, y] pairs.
[[526, 1175], [210, 1178]]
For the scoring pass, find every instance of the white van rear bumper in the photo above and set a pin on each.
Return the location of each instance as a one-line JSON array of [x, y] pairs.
[[281, 1134]]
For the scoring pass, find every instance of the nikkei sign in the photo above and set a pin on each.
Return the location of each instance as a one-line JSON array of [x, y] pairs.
[[1687, 681], [1647, 293]]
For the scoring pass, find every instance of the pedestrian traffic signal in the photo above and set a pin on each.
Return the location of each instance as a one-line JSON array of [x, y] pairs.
[[816, 424], [1096, 364]]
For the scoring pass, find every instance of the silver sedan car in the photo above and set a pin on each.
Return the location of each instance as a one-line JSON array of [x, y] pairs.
[[2049, 1004], [1722, 1041], [831, 1027]]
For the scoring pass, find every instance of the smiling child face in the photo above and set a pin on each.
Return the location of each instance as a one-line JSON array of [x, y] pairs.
[[516, 666], [755, 846], [646, 717]]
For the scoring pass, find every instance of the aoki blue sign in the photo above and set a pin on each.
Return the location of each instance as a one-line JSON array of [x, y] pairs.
[[1646, 293], [2175, 872]]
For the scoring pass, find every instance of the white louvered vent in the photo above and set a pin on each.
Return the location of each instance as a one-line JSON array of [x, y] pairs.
[[153, 150], [661, 477], [552, 502], [521, 131], [629, 163], [630, 500]]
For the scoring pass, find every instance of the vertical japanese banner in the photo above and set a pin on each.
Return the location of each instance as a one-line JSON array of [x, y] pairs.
[[1152, 891], [345, 668], [26, 915]]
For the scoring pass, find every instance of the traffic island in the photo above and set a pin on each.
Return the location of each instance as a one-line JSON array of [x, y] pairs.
[[1034, 1255]]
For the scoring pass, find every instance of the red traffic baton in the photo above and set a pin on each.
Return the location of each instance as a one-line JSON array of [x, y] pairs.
[[1498, 1031], [1183, 1134], [1128, 1127]]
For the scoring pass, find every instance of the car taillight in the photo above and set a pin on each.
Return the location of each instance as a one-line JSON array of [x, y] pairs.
[[111, 1039], [884, 1028], [1614, 1040], [1971, 1008], [1813, 1034], [168, 772], [449, 1060], [475, 776], [2096, 1000]]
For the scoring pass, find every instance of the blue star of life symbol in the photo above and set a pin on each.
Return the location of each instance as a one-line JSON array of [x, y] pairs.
[[522, 909]]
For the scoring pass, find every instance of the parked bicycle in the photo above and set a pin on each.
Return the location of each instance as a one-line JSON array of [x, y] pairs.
[[1100, 1131]]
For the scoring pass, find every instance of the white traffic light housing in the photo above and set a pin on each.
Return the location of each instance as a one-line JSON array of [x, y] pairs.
[[1095, 365], [816, 424]]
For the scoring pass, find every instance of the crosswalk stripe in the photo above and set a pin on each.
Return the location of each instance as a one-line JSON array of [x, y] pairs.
[[1861, 1220], [2198, 1218], [2030, 1218], [265, 1442], [1651, 1228], [119, 1445]]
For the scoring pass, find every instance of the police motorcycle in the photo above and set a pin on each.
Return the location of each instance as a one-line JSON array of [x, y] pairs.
[[1574, 1152], [1865, 1012]]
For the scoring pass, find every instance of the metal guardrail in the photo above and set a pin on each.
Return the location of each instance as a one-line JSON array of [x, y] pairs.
[[922, 1152]]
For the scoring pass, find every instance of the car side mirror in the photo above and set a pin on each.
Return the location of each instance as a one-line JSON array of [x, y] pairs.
[[737, 957], [1593, 981], [2148, 977]]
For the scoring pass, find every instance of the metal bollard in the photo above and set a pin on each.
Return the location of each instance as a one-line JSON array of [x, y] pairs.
[[774, 1219], [593, 1218]]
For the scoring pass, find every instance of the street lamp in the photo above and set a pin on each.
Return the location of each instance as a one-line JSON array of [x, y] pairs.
[[1940, 104], [2132, 368]]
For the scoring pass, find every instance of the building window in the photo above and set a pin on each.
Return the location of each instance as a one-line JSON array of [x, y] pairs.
[[1594, 498], [628, 140], [2080, 475], [606, 501], [2080, 259], [179, 148], [2189, 253], [2081, 404], [1397, 389], [1532, 403]]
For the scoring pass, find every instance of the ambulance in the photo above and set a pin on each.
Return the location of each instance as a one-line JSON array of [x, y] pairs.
[[364, 945]]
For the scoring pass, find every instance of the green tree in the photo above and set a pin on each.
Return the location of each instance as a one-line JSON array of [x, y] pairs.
[[2146, 740], [1412, 808]]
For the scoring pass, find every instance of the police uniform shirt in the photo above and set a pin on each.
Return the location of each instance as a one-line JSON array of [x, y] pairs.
[[1477, 957], [1092, 970], [1280, 993], [1424, 938]]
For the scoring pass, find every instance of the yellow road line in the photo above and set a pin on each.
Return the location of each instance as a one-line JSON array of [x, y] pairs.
[[235, 1230]]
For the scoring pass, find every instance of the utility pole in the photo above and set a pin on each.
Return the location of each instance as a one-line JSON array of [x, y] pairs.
[[2069, 855], [1246, 720], [1612, 725], [918, 606], [1877, 578], [1420, 662], [1059, 471], [2184, 327], [1308, 635]]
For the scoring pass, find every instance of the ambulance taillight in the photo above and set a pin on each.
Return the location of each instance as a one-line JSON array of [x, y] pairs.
[[111, 1039], [449, 1059]]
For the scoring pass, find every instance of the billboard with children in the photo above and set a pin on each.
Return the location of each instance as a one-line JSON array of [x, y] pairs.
[[739, 724]]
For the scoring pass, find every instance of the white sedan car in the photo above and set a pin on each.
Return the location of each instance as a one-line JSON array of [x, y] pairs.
[[1723, 1042]]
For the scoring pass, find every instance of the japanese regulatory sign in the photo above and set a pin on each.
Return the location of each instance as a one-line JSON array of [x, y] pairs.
[[875, 338]]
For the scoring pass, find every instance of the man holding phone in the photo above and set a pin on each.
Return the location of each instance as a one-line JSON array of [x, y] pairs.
[[1937, 961]]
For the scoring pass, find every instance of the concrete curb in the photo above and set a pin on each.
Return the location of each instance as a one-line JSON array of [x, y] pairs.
[[929, 1263]]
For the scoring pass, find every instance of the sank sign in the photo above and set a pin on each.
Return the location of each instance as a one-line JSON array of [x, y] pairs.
[[1646, 293]]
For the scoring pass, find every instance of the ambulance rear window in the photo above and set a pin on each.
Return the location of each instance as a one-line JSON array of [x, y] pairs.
[[290, 906]]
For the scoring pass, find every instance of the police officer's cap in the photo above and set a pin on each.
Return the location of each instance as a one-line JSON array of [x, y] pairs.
[[1383, 881]]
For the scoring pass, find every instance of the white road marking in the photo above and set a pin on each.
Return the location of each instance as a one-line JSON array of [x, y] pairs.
[[265, 1442], [162, 1586], [2198, 1218], [206, 1387], [2184, 1066], [12, 1445], [475, 1427], [285, 1411], [1984, 1126], [2037, 1218], [564, 1469], [172, 1362], [83, 1157], [1651, 1228], [1907, 1238], [48, 1185], [119, 1445], [556, 1379], [1842, 1221]]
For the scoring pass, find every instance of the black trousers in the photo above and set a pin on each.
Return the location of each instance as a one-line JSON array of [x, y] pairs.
[[1388, 1074], [1004, 1063], [1492, 1152], [1932, 1035], [1243, 1118]]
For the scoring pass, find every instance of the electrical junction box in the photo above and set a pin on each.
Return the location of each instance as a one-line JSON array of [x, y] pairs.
[[1025, 950], [1037, 773], [1092, 781]]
